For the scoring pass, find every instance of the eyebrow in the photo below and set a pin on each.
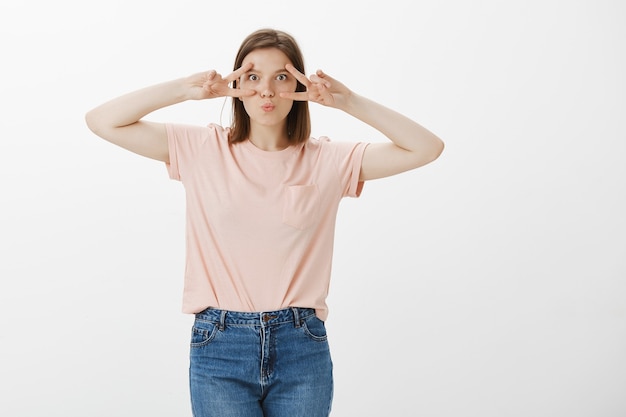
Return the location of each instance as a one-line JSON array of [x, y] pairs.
[[253, 69]]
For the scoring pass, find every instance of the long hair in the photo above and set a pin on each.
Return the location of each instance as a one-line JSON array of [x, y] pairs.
[[298, 119]]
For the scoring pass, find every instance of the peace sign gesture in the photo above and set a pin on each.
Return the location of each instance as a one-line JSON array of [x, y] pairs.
[[210, 84], [320, 88]]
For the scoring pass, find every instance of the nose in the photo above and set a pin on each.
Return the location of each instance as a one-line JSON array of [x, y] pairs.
[[267, 90]]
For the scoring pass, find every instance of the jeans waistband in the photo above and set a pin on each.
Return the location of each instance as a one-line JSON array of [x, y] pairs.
[[265, 318]]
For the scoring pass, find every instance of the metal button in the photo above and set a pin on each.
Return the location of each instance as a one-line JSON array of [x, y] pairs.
[[268, 317]]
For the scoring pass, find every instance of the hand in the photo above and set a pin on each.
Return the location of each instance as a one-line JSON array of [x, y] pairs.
[[210, 84], [320, 88]]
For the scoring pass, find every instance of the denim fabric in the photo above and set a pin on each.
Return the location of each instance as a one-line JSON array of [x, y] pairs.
[[267, 364]]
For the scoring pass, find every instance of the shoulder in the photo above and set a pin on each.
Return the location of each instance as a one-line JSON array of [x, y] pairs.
[[340, 155], [207, 129], [327, 146], [199, 133], [321, 144]]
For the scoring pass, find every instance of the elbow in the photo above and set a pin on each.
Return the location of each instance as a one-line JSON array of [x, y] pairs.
[[437, 149], [440, 147], [95, 123], [90, 121]]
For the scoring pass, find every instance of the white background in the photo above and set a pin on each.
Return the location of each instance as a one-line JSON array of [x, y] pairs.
[[489, 283]]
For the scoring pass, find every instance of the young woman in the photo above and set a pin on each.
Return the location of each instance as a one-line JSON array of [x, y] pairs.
[[262, 198]]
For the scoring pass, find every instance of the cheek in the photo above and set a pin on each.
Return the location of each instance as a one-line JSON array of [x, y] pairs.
[[246, 105], [286, 88], [244, 84]]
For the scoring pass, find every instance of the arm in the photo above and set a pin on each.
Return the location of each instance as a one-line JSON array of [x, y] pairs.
[[411, 144], [119, 121]]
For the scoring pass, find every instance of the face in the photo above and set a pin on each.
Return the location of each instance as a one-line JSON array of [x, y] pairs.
[[268, 78]]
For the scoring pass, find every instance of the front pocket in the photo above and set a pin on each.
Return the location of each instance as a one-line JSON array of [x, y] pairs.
[[301, 204], [315, 329], [202, 333]]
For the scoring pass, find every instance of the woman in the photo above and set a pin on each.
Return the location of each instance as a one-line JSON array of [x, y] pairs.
[[262, 198]]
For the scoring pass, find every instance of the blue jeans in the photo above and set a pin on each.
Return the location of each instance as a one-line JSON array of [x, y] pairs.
[[269, 364]]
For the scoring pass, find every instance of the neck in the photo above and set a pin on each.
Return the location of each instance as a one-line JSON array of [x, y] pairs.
[[269, 139]]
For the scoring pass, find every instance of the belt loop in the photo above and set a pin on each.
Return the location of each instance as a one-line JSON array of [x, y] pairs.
[[222, 324], [296, 317]]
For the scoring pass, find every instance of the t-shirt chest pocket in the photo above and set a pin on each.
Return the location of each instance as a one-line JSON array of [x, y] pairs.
[[301, 205]]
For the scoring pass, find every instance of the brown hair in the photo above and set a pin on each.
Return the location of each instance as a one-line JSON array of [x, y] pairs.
[[298, 119]]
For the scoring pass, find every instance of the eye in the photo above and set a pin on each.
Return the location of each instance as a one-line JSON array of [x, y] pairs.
[[253, 77], [281, 77]]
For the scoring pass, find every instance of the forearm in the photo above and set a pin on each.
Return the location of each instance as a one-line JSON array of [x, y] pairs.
[[401, 130], [130, 108]]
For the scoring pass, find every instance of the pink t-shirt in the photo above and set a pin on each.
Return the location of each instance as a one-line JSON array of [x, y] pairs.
[[260, 225]]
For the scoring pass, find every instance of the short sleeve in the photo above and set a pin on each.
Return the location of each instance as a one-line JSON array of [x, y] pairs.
[[172, 143], [355, 159], [348, 157], [188, 144]]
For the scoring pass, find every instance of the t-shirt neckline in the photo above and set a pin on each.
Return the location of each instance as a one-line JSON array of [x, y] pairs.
[[281, 154]]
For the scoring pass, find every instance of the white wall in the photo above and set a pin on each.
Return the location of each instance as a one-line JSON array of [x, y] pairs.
[[490, 283]]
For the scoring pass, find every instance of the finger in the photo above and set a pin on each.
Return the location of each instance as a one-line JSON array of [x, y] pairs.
[[321, 75], [238, 92], [237, 73], [319, 80], [210, 79], [325, 95], [296, 96], [298, 75], [325, 76]]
